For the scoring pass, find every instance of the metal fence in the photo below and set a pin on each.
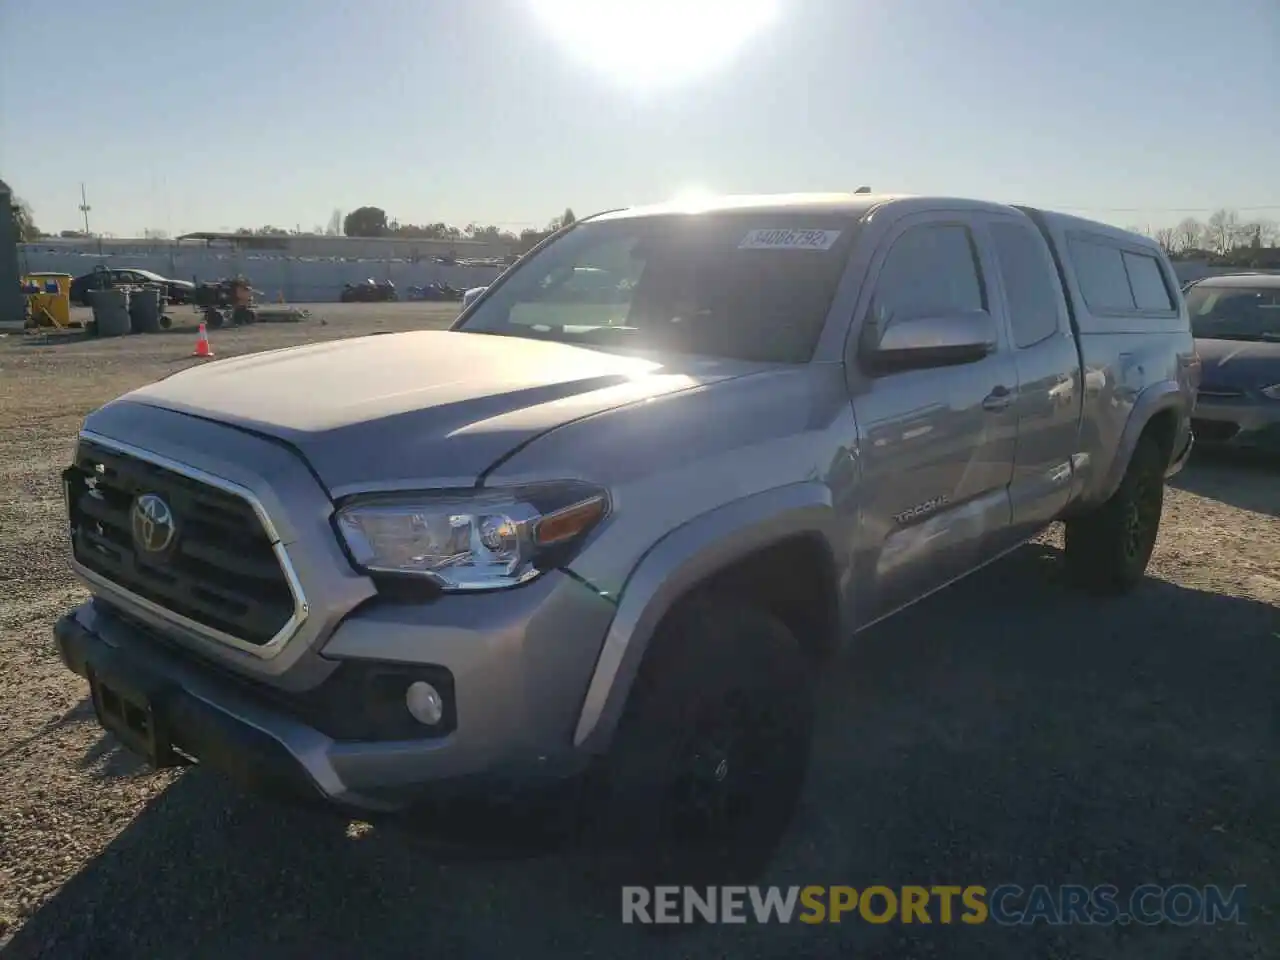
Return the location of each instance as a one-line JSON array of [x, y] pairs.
[[295, 279]]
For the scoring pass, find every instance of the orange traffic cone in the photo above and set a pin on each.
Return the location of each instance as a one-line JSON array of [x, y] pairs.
[[202, 344]]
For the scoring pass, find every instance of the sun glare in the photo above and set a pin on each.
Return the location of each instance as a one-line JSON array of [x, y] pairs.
[[655, 42], [692, 196]]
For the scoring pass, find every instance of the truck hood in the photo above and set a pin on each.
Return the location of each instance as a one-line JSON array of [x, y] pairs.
[[435, 408], [1239, 363]]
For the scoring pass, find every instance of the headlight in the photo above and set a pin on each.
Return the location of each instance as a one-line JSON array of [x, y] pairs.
[[1272, 392], [480, 540]]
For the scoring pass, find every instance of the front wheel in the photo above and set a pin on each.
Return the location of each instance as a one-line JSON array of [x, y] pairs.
[[1108, 550], [710, 755]]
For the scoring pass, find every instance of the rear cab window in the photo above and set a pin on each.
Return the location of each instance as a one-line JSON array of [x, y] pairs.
[[1104, 283], [1120, 282], [1146, 280]]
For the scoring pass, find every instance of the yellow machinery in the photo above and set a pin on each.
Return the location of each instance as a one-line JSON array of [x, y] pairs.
[[48, 299]]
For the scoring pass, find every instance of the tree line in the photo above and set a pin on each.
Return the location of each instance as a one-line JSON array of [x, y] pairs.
[[1224, 238], [366, 221], [373, 222]]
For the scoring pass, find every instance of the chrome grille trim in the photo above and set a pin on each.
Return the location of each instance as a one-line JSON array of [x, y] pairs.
[[110, 589]]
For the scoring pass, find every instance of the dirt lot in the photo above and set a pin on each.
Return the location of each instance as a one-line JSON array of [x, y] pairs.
[[1050, 740]]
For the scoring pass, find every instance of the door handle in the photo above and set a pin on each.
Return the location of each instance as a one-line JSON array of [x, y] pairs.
[[998, 399]]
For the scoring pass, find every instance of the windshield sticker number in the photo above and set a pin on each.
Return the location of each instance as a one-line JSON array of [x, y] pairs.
[[773, 239]]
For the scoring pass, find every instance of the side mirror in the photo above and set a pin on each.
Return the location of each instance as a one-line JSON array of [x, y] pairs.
[[919, 343]]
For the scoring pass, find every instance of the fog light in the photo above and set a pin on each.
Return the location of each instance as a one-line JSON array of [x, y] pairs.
[[424, 702]]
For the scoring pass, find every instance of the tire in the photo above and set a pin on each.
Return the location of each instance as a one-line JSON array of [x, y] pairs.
[[1107, 551], [213, 318], [711, 752]]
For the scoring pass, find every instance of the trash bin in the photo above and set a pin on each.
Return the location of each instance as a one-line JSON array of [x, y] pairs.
[[145, 306], [111, 312]]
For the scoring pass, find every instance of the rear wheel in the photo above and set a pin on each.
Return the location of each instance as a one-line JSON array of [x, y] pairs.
[[1108, 550], [710, 756]]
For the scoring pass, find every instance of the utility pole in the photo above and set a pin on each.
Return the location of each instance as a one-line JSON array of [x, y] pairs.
[[84, 209]]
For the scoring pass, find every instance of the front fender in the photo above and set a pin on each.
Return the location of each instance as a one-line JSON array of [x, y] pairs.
[[681, 560]]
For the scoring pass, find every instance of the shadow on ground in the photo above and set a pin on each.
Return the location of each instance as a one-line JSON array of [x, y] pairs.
[[81, 711], [1056, 739], [1250, 481]]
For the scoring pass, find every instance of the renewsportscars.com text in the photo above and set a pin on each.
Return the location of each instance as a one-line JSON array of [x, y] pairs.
[[1005, 905]]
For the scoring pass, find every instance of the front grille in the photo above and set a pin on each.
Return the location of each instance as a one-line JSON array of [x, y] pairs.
[[1214, 431], [220, 569]]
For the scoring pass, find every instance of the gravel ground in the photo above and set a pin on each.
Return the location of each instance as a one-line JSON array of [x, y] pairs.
[[1064, 740]]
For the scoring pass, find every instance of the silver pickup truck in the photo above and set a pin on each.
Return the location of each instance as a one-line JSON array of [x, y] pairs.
[[602, 530]]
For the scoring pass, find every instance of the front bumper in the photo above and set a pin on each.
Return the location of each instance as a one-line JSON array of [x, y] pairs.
[[1237, 423], [509, 721]]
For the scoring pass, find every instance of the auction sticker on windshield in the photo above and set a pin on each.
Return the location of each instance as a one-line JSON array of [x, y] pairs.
[[779, 239]]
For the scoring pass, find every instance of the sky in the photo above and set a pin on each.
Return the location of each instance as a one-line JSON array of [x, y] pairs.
[[184, 116]]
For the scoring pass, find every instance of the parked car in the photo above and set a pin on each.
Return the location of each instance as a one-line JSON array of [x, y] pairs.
[[1236, 323], [469, 297], [368, 291], [607, 544], [175, 291], [435, 292]]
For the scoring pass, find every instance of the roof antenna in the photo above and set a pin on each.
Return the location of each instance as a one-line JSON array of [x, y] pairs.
[[862, 190]]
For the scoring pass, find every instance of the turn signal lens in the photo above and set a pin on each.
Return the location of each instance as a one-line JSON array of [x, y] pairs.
[[567, 523]]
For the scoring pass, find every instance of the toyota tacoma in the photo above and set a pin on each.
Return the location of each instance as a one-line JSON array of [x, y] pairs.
[[601, 534]]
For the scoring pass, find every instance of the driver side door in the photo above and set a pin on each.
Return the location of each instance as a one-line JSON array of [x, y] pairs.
[[936, 442]]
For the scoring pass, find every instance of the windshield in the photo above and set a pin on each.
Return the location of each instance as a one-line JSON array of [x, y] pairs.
[[1234, 313], [740, 286]]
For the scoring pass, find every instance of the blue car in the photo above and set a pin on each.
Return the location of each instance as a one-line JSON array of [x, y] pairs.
[[1236, 323]]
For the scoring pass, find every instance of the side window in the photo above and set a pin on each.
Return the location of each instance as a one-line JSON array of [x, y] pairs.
[[1103, 279], [598, 274], [930, 270], [1030, 282], [594, 289], [1147, 281]]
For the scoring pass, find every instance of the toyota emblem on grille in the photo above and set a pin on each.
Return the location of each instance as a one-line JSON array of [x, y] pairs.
[[153, 526]]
